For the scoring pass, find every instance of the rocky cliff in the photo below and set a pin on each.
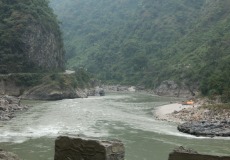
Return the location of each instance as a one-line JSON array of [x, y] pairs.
[[30, 38], [170, 88], [43, 48]]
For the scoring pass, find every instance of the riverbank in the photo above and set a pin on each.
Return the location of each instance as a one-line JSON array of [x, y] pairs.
[[199, 120], [167, 112], [9, 106], [8, 155]]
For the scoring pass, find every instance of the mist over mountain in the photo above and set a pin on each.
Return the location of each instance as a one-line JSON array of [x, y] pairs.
[[149, 41]]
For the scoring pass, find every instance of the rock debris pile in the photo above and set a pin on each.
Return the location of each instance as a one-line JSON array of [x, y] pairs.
[[9, 106]]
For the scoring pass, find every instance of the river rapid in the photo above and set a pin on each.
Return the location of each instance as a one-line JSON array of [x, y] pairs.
[[124, 116]]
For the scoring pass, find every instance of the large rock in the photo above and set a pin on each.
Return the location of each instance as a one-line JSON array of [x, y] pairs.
[[170, 88], [73, 148], [185, 154], [118, 88], [9, 87], [8, 106], [53, 92], [8, 156], [206, 128]]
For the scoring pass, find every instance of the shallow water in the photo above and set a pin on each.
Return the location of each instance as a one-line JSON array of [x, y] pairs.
[[127, 117]]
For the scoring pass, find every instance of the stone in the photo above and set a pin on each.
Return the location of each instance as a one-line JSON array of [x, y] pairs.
[[8, 106], [99, 91], [188, 154], [8, 155], [50, 92], [8, 86], [76, 148], [206, 128], [170, 88]]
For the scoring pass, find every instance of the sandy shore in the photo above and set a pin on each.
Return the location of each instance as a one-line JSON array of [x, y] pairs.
[[164, 112]]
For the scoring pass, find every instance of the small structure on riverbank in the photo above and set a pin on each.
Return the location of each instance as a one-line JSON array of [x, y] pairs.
[[190, 102]]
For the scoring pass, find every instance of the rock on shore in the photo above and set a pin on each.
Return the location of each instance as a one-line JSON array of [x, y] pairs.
[[8, 106], [8, 156], [56, 92], [206, 128], [202, 121], [171, 88], [76, 148], [188, 154]]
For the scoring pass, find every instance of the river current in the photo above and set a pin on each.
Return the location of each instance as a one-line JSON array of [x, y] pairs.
[[123, 116]]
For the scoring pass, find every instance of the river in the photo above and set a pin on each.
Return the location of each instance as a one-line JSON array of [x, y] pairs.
[[123, 116]]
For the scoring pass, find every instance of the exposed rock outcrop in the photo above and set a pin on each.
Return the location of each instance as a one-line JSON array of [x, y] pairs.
[[204, 121], [8, 106], [170, 88], [187, 154], [118, 88], [8, 155], [56, 92], [43, 48], [75, 148], [202, 114], [9, 87], [32, 41], [53, 92], [206, 128]]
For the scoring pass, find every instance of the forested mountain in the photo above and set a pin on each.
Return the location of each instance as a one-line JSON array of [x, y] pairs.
[[30, 37], [149, 41]]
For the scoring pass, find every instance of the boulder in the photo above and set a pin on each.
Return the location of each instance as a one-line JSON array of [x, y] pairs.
[[12, 99], [188, 154], [75, 148], [9, 86], [81, 93], [132, 89], [99, 91], [51, 92], [206, 128], [170, 88], [96, 91], [8, 156], [8, 106]]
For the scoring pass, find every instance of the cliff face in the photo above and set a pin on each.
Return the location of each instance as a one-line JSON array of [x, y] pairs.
[[30, 38], [43, 48]]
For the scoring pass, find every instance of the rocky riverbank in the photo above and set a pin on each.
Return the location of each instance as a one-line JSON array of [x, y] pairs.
[[166, 88], [205, 121], [8, 155], [199, 120], [9, 106]]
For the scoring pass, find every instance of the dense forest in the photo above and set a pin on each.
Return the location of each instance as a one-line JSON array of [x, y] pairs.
[[144, 42], [17, 21]]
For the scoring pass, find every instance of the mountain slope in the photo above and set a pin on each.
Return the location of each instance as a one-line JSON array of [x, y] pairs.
[[30, 38], [149, 41]]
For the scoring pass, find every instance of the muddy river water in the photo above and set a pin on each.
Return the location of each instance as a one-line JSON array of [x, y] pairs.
[[124, 116]]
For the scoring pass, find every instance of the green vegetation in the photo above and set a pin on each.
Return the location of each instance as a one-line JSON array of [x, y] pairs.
[[15, 17], [148, 41]]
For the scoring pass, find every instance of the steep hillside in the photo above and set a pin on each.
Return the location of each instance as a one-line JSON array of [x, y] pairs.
[[149, 41], [30, 38]]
